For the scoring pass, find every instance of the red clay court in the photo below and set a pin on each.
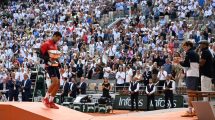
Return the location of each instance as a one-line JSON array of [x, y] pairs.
[[37, 111]]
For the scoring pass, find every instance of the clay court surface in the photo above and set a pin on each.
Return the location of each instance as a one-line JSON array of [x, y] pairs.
[[37, 111], [169, 114]]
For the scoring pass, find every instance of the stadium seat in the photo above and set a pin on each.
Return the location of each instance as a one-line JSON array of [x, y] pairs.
[[112, 87], [100, 87], [92, 87]]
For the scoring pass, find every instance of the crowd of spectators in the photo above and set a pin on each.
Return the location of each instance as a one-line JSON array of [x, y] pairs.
[[145, 44]]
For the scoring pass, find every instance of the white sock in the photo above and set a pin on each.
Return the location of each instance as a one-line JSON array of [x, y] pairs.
[[51, 99], [47, 95]]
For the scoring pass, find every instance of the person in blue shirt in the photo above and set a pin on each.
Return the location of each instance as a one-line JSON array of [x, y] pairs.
[[162, 21], [145, 38], [201, 3], [168, 66], [181, 34]]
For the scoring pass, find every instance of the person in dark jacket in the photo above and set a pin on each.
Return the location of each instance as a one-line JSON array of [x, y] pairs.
[[191, 64], [79, 69], [72, 89], [206, 67], [65, 89], [26, 88], [146, 76], [82, 86], [4, 86], [14, 87]]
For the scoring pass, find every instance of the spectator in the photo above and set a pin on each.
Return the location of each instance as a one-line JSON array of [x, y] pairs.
[[107, 70], [146, 76], [120, 77], [162, 74], [82, 86], [79, 69], [155, 71], [138, 75], [129, 75], [73, 89], [26, 88], [65, 89], [4, 87], [14, 87], [168, 66]]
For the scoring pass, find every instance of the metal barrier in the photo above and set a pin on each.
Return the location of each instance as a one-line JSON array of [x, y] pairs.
[[97, 88], [124, 90]]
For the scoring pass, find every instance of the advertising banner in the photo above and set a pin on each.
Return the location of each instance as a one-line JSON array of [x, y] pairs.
[[124, 102]]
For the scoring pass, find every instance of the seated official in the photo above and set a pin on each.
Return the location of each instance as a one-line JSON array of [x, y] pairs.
[[26, 88]]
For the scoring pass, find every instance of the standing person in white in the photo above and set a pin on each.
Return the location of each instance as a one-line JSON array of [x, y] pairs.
[[107, 70], [120, 79], [92, 48], [162, 74], [129, 75]]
